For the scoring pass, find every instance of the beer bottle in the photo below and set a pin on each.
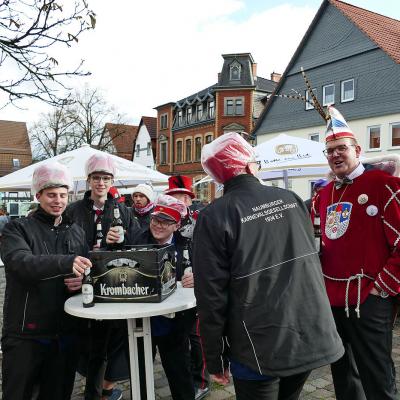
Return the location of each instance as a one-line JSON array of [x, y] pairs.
[[99, 233], [117, 223], [186, 263], [317, 233], [87, 289]]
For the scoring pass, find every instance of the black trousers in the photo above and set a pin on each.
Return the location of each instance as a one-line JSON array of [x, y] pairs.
[[175, 358], [288, 388], [29, 366], [366, 371], [201, 377]]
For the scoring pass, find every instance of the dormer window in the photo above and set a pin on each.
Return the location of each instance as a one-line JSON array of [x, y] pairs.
[[234, 71]]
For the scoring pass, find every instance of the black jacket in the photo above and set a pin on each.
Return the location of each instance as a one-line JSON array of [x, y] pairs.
[[258, 282], [37, 257], [143, 219], [183, 320], [82, 213]]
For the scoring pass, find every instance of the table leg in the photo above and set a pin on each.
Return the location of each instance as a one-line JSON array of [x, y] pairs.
[[148, 358], [133, 360], [133, 334]]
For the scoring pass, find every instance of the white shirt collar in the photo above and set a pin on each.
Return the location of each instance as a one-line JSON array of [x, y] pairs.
[[357, 172]]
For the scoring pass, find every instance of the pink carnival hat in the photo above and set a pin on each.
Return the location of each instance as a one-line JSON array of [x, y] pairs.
[[169, 208], [51, 175], [100, 163], [227, 156]]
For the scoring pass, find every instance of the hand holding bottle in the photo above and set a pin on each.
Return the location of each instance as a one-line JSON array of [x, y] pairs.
[[113, 235], [188, 279], [80, 264]]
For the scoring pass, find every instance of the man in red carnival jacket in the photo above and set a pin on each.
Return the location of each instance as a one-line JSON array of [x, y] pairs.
[[360, 224]]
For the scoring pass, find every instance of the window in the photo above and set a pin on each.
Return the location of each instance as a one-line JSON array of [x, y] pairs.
[[211, 109], [179, 149], [374, 137], [163, 153], [208, 139], [149, 148], [138, 150], [234, 106], [347, 90], [180, 117], [16, 162], [234, 71], [164, 121], [314, 137], [189, 115], [309, 98], [395, 134], [188, 150], [199, 111], [328, 94], [197, 149]]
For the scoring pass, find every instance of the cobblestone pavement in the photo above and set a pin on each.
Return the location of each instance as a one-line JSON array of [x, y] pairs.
[[319, 385]]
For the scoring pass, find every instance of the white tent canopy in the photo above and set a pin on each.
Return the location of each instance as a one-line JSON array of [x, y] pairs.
[[291, 156], [128, 173]]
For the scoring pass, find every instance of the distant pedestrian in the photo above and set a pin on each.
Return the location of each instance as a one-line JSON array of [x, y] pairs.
[[142, 206]]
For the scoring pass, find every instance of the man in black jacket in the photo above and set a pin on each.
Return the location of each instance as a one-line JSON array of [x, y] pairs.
[[170, 336], [43, 263], [260, 293], [106, 359], [142, 206]]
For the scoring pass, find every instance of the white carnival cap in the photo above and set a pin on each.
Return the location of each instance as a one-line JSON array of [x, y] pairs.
[[51, 175], [100, 163]]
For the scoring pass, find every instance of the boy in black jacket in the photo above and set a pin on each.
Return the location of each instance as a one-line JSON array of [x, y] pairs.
[[43, 262]]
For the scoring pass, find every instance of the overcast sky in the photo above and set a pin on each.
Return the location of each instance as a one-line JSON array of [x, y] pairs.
[[146, 53]]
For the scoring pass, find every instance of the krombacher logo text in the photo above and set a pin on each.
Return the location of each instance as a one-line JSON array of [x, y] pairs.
[[123, 290]]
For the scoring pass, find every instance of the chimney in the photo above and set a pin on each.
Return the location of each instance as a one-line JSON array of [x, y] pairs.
[[219, 76], [276, 77], [254, 67]]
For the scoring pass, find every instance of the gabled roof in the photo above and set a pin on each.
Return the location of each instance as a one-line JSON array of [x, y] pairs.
[[151, 125], [382, 30], [123, 137]]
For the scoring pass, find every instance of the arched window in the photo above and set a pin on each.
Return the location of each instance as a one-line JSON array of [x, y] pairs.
[[188, 150], [234, 71], [197, 149]]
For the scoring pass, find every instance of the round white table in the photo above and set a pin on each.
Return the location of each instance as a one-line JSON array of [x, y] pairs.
[[181, 299]]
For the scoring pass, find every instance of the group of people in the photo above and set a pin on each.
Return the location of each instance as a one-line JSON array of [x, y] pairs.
[[267, 313]]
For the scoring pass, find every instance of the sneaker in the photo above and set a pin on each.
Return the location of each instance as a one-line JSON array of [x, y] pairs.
[[115, 395], [201, 393]]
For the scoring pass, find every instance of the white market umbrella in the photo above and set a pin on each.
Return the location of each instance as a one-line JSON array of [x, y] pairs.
[[289, 156], [128, 173]]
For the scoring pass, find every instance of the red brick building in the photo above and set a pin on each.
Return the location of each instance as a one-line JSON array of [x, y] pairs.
[[232, 104]]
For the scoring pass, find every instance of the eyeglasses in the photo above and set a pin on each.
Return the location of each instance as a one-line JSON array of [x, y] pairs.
[[164, 224], [98, 178], [339, 150]]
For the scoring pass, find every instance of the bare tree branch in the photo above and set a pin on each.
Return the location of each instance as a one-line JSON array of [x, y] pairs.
[[28, 29]]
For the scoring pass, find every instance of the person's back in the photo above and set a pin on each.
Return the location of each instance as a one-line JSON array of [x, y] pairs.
[[276, 290], [259, 285]]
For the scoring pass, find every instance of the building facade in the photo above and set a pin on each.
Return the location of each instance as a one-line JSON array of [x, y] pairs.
[[232, 104], [352, 60], [144, 146]]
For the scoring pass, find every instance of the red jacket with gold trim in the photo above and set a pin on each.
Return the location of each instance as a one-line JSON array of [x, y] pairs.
[[360, 224]]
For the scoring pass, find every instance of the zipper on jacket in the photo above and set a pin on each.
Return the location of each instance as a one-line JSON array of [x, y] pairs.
[[23, 319]]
